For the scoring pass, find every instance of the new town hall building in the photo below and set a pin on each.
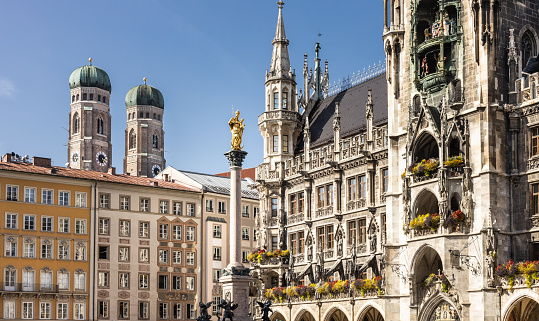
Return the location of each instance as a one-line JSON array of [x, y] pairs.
[[404, 193]]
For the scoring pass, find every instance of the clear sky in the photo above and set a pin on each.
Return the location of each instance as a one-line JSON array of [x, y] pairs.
[[203, 55]]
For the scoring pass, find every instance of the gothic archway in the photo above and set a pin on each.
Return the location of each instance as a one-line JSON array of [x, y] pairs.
[[425, 202], [305, 316], [277, 316], [426, 147], [336, 315], [371, 314], [523, 309], [443, 311], [426, 261]]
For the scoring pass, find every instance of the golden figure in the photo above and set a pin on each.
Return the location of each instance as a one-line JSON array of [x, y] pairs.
[[236, 128]]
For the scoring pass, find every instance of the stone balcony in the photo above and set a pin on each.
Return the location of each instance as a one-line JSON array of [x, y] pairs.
[[278, 114]]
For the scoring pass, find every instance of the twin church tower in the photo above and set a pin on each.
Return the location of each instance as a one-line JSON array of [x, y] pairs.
[[89, 145]]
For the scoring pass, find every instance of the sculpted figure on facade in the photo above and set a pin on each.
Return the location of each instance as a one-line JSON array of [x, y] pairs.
[[236, 128]]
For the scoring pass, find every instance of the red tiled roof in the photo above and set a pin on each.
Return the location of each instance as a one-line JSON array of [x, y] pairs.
[[92, 175], [248, 172]]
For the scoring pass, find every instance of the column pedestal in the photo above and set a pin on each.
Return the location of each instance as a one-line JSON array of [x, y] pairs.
[[236, 289]]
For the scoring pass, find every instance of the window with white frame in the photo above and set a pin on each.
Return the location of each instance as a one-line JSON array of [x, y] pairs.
[[61, 310], [11, 220], [163, 207], [46, 223], [176, 282], [63, 198], [177, 257], [12, 193], [63, 225], [163, 231], [80, 199], [190, 311], [191, 209], [30, 194], [29, 222], [177, 311], [124, 203], [29, 248], [45, 279], [10, 245], [190, 283], [177, 208], [244, 256], [80, 226], [285, 143], [125, 228], [275, 143], [47, 196], [28, 279], [163, 310], [103, 252], [163, 256], [217, 253], [104, 226], [123, 254], [190, 258], [222, 207], [144, 229], [217, 231], [80, 251], [163, 282], [63, 280], [123, 280], [144, 205], [80, 281], [216, 275], [103, 309], [10, 309], [143, 281], [190, 233], [78, 311], [44, 310], [209, 205], [143, 255], [63, 251], [103, 279], [46, 249], [143, 310], [176, 232], [245, 210], [215, 309], [28, 310], [245, 233], [256, 211], [104, 200], [10, 279]]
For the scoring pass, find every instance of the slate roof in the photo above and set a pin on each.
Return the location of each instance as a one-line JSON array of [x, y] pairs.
[[220, 184], [352, 111], [95, 176]]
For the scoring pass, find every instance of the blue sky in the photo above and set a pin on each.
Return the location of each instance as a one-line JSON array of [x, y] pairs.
[[204, 56]]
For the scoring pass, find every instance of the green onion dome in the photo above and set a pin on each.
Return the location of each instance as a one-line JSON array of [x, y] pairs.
[[144, 95], [89, 76]]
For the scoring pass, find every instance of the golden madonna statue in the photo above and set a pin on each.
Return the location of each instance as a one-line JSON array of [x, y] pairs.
[[236, 128]]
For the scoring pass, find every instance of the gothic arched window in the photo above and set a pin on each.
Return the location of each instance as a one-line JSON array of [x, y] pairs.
[[529, 48], [76, 124], [78, 97], [73, 99], [132, 139], [100, 125], [155, 141]]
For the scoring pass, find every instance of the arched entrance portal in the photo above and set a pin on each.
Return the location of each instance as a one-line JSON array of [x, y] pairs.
[[305, 316], [337, 315], [525, 309], [372, 314], [444, 312]]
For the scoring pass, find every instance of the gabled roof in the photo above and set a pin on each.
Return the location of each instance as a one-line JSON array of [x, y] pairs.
[[351, 108], [210, 183]]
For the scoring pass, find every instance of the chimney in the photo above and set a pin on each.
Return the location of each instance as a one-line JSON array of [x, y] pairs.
[[42, 161], [6, 158], [112, 170]]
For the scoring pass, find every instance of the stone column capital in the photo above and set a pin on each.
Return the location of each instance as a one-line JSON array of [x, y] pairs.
[[235, 157]]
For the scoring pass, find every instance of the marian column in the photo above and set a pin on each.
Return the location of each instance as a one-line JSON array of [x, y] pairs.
[[235, 278]]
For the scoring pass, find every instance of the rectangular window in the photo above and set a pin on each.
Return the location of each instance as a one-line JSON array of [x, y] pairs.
[[321, 196], [61, 310], [46, 250], [63, 251], [163, 282], [362, 231], [123, 254], [217, 231], [123, 280], [352, 189], [216, 310], [222, 207], [274, 243], [293, 243], [177, 257], [209, 205], [29, 249], [244, 256], [46, 223], [10, 244], [385, 180], [46, 196], [217, 254], [163, 256], [144, 255], [362, 186], [78, 311], [535, 141], [535, 198], [190, 209], [12, 193], [28, 278], [28, 310], [329, 234], [190, 283], [330, 194], [80, 226], [190, 234], [217, 274], [285, 143], [45, 280], [30, 194], [301, 242], [29, 222], [80, 199], [176, 282], [63, 281], [103, 307], [256, 211], [285, 100], [124, 203], [190, 258], [177, 208], [177, 311], [143, 310], [143, 281], [144, 205], [10, 279], [44, 310], [352, 236], [176, 232], [63, 199], [245, 210], [123, 310], [104, 226], [104, 200], [125, 228], [275, 100], [163, 310], [293, 204], [245, 233], [320, 235], [275, 143], [63, 225], [163, 231], [274, 207], [80, 251], [9, 309], [103, 279], [144, 229], [11, 220], [163, 207], [190, 311], [301, 202]]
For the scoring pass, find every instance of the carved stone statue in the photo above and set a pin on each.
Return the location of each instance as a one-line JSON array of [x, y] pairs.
[[373, 238], [265, 309], [339, 244], [263, 238], [236, 128], [228, 307], [204, 315], [309, 248]]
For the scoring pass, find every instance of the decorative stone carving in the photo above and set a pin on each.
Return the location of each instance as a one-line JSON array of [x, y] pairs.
[[143, 295], [79, 298], [124, 294], [102, 294]]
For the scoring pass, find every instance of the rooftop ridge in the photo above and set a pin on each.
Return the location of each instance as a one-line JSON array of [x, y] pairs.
[[356, 79]]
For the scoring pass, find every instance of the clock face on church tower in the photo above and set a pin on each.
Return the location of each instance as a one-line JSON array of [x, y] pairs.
[[101, 158], [156, 170], [75, 157]]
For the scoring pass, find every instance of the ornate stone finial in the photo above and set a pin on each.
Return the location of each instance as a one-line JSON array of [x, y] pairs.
[[512, 54], [369, 106], [144, 80], [90, 60], [280, 4], [236, 128]]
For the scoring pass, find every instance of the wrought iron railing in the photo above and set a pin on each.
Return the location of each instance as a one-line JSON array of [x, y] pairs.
[[25, 287], [355, 79]]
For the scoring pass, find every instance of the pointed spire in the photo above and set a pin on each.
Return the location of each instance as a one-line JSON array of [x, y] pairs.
[[280, 62]]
